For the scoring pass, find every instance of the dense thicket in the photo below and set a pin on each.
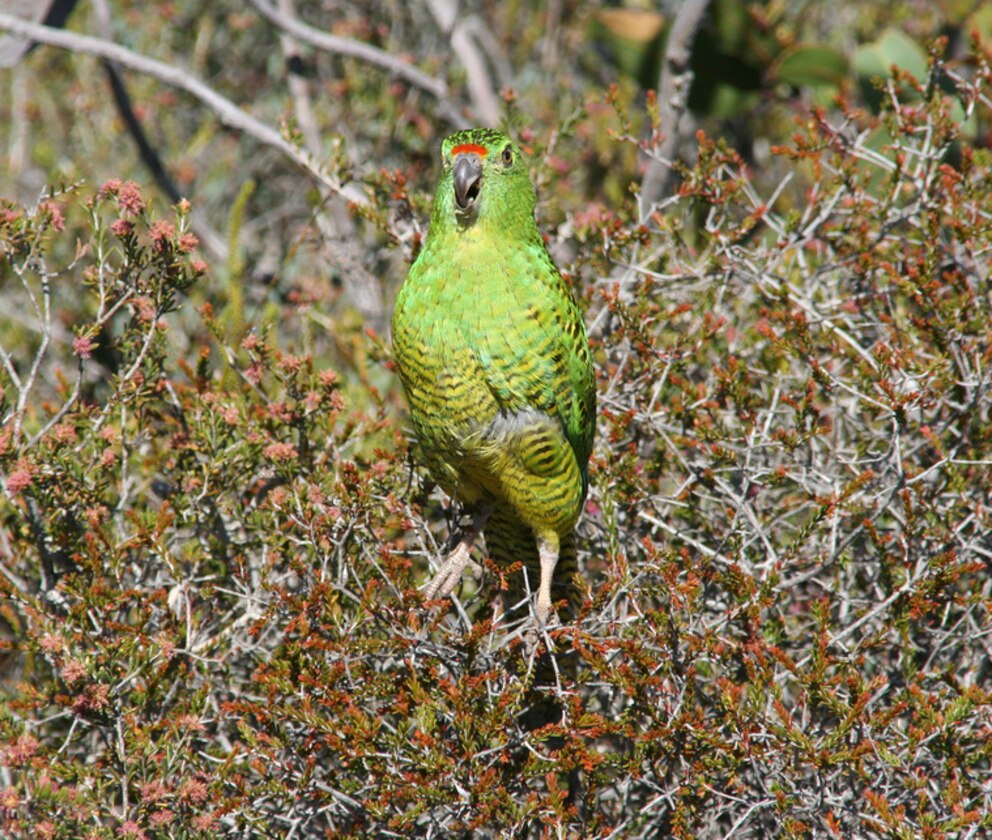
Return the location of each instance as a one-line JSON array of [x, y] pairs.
[[212, 535]]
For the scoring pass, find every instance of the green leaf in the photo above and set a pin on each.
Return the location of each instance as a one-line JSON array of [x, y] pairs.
[[635, 40], [894, 48], [805, 65], [980, 23]]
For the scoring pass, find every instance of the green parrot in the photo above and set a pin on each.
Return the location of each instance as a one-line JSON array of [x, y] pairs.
[[492, 353]]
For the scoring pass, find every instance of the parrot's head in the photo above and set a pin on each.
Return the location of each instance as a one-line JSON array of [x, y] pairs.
[[484, 179]]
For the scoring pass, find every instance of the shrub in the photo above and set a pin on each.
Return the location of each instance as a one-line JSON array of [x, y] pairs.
[[213, 542]]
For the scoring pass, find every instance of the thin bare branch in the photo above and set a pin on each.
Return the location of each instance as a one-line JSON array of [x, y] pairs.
[[365, 52], [227, 111], [673, 94], [485, 102]]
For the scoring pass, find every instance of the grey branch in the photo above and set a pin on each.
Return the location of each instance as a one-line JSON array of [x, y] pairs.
[[227, 112], [337, 226], [365, 52], [480, 86], [298, 87], [211, 240], [49, 12], [673, 94]]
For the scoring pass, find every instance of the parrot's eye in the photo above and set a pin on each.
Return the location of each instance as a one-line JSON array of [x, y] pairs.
[[507, 155]]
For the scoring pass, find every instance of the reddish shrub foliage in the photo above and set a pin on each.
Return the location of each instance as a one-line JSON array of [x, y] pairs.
[[212, 543]]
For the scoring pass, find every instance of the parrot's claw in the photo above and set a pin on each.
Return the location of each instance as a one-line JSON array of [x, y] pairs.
[[536, 627], [448, 576], [450, 573]]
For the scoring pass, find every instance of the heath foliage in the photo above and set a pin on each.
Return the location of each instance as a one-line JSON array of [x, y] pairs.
[[212, 535]]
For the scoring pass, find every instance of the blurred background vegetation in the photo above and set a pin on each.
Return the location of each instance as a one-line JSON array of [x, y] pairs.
[[212, 535]]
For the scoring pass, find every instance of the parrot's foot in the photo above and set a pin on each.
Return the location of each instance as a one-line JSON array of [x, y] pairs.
[[445, 581], [447, 577], [547, 549], [535, 630]]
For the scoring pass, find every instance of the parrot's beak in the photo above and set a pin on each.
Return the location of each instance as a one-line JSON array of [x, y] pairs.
[[468, 178]]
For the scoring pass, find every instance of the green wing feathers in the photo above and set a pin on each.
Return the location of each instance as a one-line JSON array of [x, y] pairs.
[[501, 391]]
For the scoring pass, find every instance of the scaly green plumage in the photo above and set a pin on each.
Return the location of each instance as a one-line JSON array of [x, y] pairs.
[[494, 360]]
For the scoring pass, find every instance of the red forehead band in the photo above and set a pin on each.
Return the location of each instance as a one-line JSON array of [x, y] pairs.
[[470, 149]]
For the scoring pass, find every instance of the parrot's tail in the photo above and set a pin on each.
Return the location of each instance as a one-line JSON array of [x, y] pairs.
[[509, 540]]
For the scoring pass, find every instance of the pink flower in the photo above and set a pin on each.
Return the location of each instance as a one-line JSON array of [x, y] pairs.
[[94, 698], [190, 723], [187, 242], [111, 187], [167, 645], [254, 373], [83, 346], [290, 363], [73, 671], [279, 411], [131, 829], [192, 790], [129, 198], [154, 791], [50, 643], [204, 822], [161, 231], [54, 214], [21, 751], [161, 818], [122, 227], [9, 800], [64, 433], [19, 480], [144, 309], [280, 452]]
